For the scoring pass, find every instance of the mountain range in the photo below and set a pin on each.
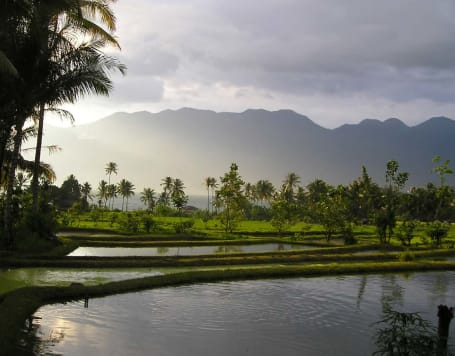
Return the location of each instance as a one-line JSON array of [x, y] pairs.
[[192, 144]]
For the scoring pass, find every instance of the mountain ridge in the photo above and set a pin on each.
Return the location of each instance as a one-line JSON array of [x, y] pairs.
[[192, 144]]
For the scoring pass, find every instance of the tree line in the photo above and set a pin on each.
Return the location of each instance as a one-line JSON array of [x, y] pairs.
[[338, 208]]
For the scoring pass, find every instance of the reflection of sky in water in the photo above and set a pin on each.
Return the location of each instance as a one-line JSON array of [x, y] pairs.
[[184, 250], [262, 317], [21, 277]]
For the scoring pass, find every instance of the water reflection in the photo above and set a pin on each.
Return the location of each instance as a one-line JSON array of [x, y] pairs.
[[305, 316], [184, 250]]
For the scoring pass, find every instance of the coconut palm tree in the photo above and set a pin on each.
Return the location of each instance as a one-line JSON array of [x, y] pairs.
[[264, 190], [167, 183], [290, 183], [250, 192], [112, 191], [110, 168], [51, 65], [210, 183], [179, 198], [126, 190], [103, 192], [148, 198], [86, 192]]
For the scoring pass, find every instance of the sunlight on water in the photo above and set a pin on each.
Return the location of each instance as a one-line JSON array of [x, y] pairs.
[[183, 250]]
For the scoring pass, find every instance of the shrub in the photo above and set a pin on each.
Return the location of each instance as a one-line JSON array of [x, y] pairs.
[[405, 232], [183, 226], [436, 231], [148, 223]]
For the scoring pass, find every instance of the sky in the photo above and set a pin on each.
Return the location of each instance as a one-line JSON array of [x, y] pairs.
[[335, 61]]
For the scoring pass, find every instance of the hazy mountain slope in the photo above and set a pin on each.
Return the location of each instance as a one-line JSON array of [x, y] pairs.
[[192, 144]]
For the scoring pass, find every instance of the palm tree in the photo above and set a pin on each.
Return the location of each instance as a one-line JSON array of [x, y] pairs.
[[250, 192], [148, 198], [86, 191], [290, 183], [111, 167], [264, 190], [179, 198], [126, 190], [111, 194], [103, 192], [167, 183], [210, 183], [60, 58], [50, 65]]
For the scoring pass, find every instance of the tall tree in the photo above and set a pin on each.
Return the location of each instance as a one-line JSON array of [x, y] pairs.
[[86, 193], [103, 192], [386, 216], [178, 196], [126, 190], [110, 168], [167, 183], [443, 193], [210, 184], [148, 198], [230, 197], [290, 184], [264, 191], [39, 39]]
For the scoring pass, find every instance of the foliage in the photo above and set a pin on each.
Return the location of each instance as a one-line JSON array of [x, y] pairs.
[[148, 223], [283, 214], [405, 232], [183, 227], [436, 231], [405, 334], [128, 222], [231, 199]]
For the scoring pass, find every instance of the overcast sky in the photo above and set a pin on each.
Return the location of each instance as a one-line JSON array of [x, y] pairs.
[[334, 61]]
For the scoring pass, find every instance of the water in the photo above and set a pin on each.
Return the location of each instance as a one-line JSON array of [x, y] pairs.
[[183, 250], [22, 277], [304, 316]]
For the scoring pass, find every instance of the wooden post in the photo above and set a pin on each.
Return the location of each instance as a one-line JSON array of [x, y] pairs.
[[445, 315]]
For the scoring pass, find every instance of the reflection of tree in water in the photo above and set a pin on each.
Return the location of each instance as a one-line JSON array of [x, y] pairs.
[[363, 284], [281, 247], [228, 249], [392, 292], [440, 283], [33, 341], [162, 250]]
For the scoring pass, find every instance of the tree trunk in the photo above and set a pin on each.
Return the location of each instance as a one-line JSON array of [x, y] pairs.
[[7, 213], [36, 166]]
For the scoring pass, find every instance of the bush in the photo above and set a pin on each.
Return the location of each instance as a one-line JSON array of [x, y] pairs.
[[348, 235], [148, 223], [406, 232], [128, 222], [183, 226], [436, 231]]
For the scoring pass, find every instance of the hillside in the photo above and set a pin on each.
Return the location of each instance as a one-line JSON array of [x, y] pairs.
[[192, 144]]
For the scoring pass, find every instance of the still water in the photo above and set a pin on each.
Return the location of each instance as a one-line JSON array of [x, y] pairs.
[[304, 316], [184, 250]]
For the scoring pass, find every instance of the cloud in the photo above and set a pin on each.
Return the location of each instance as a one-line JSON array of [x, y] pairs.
[[285, 52]]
